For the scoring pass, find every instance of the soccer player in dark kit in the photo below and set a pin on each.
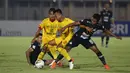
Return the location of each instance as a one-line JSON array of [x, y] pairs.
[[83, 37], [106, 21], [34, 50]]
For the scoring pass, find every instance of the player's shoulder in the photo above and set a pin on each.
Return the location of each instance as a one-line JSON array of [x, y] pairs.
[[35, 43], [68, 19], [45, 19]]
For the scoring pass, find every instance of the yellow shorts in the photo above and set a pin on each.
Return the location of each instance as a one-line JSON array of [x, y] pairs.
[[58, 40], [46, 39]]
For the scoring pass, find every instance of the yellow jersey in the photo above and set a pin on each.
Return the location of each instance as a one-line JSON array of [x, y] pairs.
[[65, 22], [67, 34], [48, 27]]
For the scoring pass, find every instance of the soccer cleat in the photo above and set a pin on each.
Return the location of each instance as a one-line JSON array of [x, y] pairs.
[[53, 66], [59, 63], [71, 65], [106, 67]]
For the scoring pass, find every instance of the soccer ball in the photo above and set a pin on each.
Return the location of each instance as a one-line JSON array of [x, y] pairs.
[[39, 64]]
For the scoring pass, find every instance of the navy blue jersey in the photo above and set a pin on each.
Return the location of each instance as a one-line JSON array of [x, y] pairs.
[[36, 50], [83, 33], [106, 16]]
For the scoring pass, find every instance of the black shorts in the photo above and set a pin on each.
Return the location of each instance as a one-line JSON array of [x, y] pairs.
[[76, 40], [107, 26]]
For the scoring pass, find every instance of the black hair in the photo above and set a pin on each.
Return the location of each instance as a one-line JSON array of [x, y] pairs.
[[58, 11], [96, 16], [51, 10]]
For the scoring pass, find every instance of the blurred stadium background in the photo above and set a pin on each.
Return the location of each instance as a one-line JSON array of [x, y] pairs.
[[21, 17]]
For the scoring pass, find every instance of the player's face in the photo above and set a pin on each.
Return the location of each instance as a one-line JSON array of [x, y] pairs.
[[39, 39], [51, 15], [58, 16], [94, 21]]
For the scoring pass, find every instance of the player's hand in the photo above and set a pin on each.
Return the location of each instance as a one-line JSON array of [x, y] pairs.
[[89, 29], [62, 29], [118, 38]]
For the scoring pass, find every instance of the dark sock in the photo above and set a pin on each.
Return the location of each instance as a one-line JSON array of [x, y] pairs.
[[102, 38], [59, 57], [49, 53], [101, 57], [70, 60], [107, 40]]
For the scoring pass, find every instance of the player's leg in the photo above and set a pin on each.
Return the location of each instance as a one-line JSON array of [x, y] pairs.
[[107, 40], [43, 52], [90, 44], [71, 44], [52, 50], [107, 36], [102, 38], [63, 52], [100, 56]]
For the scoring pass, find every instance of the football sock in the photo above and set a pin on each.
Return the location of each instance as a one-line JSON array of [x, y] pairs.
[[53, 51], [49, 53], [41, 55], [107, 40], [102, 39], [101, 57], [64, 53], [60, 56]]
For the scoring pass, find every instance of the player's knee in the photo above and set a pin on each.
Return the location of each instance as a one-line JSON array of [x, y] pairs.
[[52, 43]]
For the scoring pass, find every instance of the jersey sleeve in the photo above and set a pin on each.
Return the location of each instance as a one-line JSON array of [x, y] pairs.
[[70, 20], [41, 25], [33, 46]]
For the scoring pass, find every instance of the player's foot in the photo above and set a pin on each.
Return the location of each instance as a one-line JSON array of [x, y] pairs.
[[53, 66], [106, 67], [71, 65], [51, 62], [59, 63], [106, 46]]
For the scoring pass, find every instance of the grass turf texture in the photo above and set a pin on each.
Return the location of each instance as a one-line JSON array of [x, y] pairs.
[[13, 60]]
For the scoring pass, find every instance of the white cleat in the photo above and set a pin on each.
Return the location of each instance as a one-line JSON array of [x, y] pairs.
[[71, 65]]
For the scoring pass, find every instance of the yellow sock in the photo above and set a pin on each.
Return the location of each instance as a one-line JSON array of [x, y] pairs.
[[52, 49], [64, 53], [40, 56]]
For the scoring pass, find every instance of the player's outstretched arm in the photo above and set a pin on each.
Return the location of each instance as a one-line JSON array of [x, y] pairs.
[[69, 25], [87, 28], [110, 33], [36, 34], [28, 52]]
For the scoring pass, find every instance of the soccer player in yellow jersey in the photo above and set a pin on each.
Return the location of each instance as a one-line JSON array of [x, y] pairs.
[[62, 39], [48, 27]]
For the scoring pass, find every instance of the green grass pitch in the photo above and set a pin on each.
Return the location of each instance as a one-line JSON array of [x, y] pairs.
[[13, 60]]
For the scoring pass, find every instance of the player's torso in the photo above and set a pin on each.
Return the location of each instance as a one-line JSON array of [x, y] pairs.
[[62, 24], [106, 16], [50, 28], [83, 33]]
